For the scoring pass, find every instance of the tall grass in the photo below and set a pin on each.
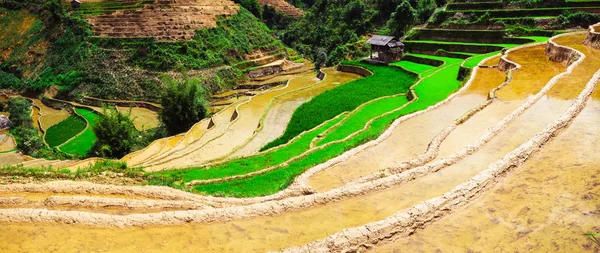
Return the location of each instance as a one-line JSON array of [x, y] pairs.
[[387, 81]]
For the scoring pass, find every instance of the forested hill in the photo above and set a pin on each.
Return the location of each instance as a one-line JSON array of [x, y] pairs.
[[43, 43]]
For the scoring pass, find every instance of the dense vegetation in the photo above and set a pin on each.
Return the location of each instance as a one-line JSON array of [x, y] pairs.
[[68, 56], [338, 27], [184, 105], [116, 133]]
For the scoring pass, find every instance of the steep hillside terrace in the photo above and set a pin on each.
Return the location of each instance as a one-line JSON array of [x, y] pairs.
[[283, 6], [164, 20]]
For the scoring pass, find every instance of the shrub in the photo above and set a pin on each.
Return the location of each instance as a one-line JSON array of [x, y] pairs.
[[9, 81], [116, 133], [28, 140], [581, 19], [20, 112], [183, 105]]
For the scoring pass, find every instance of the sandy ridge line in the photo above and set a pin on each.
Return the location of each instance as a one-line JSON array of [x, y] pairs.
[[404, 222], [99, 202], [75, 187], [592, 39], [298, 157], [261, 124], [129, 156], [160, 160]]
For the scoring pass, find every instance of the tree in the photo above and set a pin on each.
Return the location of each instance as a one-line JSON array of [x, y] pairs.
[[116, 133], [404, 16], [425, 9], [28, 140], [320, 58], [253, 6], [20, 112], [183, 105]]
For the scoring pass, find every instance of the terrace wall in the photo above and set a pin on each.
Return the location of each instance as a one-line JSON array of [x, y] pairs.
[[354, 70], [592, 39]]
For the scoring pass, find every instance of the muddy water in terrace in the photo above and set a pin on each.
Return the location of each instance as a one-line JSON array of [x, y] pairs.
[[280, 231], [534, 74], [544, 206]]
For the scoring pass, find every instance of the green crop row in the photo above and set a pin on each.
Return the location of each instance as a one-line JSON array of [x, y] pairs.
[[388, 81], [253, 163]]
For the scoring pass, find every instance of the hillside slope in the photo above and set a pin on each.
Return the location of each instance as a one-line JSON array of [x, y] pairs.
[[126, 49]]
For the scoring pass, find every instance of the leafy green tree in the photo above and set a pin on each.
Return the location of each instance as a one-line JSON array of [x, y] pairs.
[[425, 9], [404, 16], [116, 133], [20, 112], [28, 139], [183, 105], [253, 6], [320, 58]]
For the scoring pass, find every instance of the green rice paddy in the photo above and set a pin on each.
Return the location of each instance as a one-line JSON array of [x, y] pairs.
[[83, 143], [63, 131]]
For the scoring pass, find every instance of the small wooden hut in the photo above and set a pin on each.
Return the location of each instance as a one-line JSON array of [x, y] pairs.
[[388, 48]]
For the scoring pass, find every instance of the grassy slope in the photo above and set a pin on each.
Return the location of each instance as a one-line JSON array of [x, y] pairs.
[[431, 90], [84, 142], [388, 81], [63, 131]]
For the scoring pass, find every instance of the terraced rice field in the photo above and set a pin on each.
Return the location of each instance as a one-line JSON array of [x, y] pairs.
[[143, 118], [457, 168]]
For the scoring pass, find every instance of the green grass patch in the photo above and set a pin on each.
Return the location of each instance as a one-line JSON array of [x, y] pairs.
[[386, 81], [461, 43], [413, 66], [359, 120], [63, 131], [84, 142]]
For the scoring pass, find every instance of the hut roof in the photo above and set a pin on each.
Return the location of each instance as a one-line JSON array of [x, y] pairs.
[[380, 40]]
